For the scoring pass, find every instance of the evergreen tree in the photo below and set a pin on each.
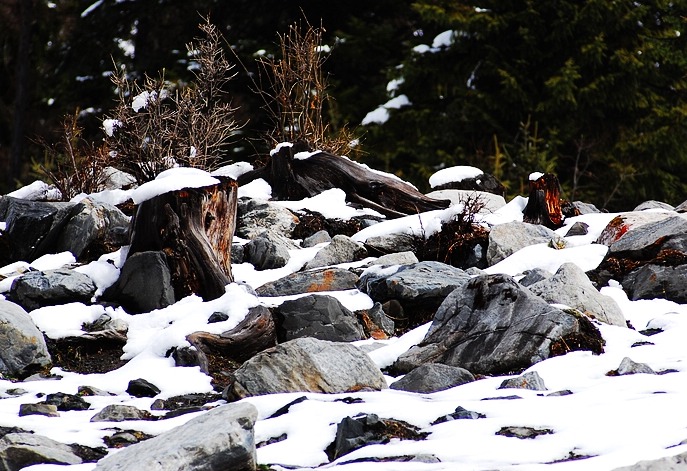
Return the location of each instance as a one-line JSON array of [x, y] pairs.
[[593, 90]]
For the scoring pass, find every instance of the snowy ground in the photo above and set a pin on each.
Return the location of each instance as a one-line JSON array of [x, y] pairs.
[[613, 420]]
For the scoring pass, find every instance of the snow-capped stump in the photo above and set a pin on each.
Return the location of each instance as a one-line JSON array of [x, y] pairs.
[[493, 325], [308, 365], [190, 216], [544, 203], [294, 172]]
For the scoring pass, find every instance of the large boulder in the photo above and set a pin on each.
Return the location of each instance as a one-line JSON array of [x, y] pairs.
[[37, 289], [506, 239], [571, 286], [627, 222], [656, 281], [97, 229], [144, 284], [340, 250], [307, 365], [494, 325], [668, 463], [311, 281], [254, 215], [20, 450], [321, 317], [268, 250], [640, 241], [23, 346], [218, 440], [33, 227], [433, 377]]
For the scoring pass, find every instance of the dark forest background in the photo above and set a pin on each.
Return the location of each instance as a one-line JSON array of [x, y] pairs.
[[594, 91]]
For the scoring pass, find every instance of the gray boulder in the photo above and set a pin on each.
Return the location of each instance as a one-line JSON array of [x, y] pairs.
[[321, 317], [530, 380], [391, 243], [653, 204], [308, 365], [37, 289], [268, 250], [312, 281], [636, 240], [376, 323], [97, 229], [571, 286], [120, 413], [534, 276], [506, 239], [433, 377], [630, 367], [585, 208], [669, 463], [657, 281], [399, 258], [20, 450], [318, 237], [493, 325], [33, 227], [144, 284], [218, 440], [423, 281], [340, 250], [254, 215], [23, 345]]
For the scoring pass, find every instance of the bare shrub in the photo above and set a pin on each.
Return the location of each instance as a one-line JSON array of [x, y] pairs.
[[73, 165], [159, 125], [297, 97]]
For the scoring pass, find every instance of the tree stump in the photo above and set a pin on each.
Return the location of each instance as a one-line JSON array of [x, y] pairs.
[[544, 204], [297, 178], [194, 228]]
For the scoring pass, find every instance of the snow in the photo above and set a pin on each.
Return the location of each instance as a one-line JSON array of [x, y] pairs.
[[444, 39], [614, 420], [279, 146], [234, 170], [142, 99], [330, 203], [172, 180], [454, 174], [381, 114], [38, 190], [534, 176]]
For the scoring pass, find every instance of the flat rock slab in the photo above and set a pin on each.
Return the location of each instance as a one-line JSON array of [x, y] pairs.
[[307, 365], [311, 281]]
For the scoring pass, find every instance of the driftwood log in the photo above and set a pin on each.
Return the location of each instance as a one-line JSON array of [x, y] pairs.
[[253, 334], [544, 203], [194, 228], [298, 178]]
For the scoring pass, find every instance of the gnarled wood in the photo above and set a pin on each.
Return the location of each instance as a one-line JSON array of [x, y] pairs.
[[194, 227], [544, 204], [253, 334], [297, 178]]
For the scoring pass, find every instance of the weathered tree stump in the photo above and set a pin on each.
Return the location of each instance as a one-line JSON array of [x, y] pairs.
[[297, 178], [253, 334], [194, 228], [544, 204]]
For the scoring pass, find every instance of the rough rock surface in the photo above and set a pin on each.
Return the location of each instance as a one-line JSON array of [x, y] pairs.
[[340, 250], [391, 243], [317, 316], [433, 377], [144, 284], [530, 380], [626, 222], [312, 281], [37, 289], [254, 215], [20, 450], [221, 439], [23, 346], [571, 286], [638, 239], [669, 463], [506, 239], [307, 365], [494, 325], [656, 281], [99, 228], [268, 250]]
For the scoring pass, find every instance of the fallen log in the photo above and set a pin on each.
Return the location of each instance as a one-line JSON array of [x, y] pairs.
[[294, 172], [253, 334], [544, 203], [194, 228]]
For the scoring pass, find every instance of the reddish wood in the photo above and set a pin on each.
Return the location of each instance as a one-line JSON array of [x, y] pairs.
[[544, 204], [194, 227]]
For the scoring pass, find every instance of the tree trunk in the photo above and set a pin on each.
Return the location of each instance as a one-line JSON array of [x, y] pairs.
[[297, 178], [253, 334], [544, 204], [194, 227]]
